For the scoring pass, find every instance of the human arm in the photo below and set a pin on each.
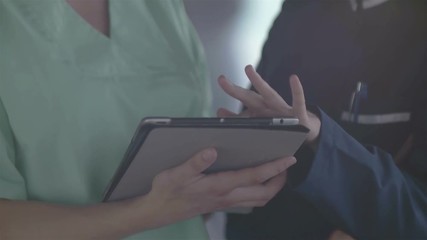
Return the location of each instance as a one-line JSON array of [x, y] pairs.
[[357, 188], [177, 194], [361, 190]]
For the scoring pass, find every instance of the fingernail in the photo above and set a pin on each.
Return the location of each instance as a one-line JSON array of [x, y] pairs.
[[288, 162], [292, 161], [222, 79], [209, 155]]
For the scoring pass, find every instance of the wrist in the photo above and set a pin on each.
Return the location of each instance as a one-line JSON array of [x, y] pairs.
[[152, 212], [135, 215], [145, 212]]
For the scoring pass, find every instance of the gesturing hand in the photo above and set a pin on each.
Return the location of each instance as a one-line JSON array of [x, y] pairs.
[[266, 102]]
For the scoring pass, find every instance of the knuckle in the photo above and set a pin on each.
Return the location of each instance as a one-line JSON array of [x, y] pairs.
[[217, 189], [227, 180], [196, 164], [224, 203], [259, 178], [163, 177]]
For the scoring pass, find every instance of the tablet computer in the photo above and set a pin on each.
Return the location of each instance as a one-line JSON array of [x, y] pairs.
[[160, 143]]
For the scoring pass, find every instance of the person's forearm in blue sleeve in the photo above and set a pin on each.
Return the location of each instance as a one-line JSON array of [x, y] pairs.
[[361, 189]]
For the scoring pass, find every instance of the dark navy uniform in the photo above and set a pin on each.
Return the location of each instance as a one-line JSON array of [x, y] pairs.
[[367, 70]]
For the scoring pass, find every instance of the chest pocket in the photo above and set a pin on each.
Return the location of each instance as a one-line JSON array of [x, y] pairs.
[[373, 117]]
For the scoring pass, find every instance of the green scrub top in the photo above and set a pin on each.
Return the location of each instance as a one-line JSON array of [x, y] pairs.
[[71, 98]]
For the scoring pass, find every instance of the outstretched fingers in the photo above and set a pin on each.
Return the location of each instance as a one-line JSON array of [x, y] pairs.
[[298, 99], [270, 96], [249, 98]]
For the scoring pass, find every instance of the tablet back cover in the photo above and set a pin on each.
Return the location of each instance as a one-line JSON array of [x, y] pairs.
[[168, 147]]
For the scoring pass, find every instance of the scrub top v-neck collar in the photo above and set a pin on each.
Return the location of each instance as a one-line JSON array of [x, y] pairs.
[[68, 9]]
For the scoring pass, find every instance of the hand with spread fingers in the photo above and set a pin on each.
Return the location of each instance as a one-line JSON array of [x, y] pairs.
[[266, 102]]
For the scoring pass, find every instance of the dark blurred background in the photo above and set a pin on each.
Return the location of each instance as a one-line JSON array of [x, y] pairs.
[[232, 32]]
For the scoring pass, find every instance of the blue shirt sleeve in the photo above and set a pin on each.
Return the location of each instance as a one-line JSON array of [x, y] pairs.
[[361, 190]]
